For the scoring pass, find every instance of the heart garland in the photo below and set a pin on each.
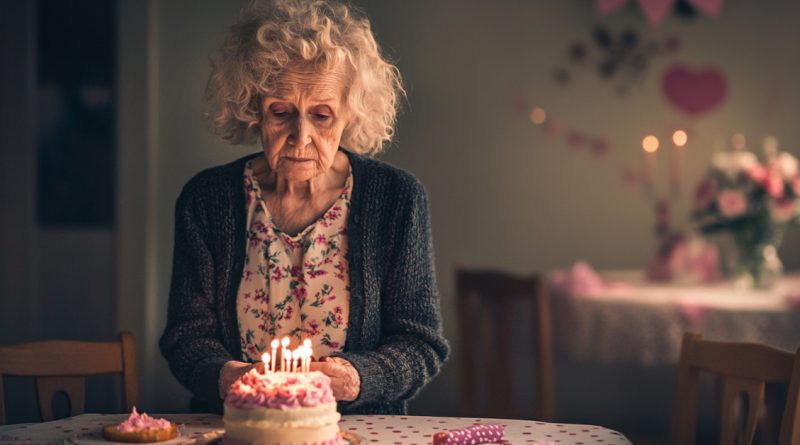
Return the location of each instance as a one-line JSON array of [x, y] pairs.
[[655, 11]]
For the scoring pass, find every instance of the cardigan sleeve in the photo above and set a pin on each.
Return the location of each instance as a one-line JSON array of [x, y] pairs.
[[191, 341], [412, 347]]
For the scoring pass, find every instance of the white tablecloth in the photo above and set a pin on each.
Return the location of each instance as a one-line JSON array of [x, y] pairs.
[[640, 322], [405, 430]]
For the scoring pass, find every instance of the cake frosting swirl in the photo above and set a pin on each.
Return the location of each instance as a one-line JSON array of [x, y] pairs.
[[138, 422], [140, 428], [280, 390]]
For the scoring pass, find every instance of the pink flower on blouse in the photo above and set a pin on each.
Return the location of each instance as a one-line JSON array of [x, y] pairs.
[[297, 274], [300, 293], [259, 227], [261, 296], [731, 203], [316, 273], [320, 239], [312, 328]]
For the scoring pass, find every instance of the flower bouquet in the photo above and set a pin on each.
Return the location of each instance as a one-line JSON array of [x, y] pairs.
[[754, 202]]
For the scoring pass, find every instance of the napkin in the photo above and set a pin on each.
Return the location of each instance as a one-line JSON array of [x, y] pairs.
[[470, 436]]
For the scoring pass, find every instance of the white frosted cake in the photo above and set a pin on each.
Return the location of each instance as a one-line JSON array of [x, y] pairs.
[[281, 408]]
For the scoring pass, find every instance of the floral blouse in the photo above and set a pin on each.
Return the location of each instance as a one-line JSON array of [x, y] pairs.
[[294, 285]]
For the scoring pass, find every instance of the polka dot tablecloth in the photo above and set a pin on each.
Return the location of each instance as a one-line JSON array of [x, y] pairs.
[[199, 429], [410, 430], [86, 429]]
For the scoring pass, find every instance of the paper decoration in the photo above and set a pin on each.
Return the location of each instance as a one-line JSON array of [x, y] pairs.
[[622, 57], [605, 7], [655, 11], [710, 7], [694, 92]]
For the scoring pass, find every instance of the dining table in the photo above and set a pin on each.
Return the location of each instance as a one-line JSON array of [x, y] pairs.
[[595, 324], [202, 429], [626, 332]]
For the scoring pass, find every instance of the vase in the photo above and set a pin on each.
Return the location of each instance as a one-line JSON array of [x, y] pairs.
[[757, 267]]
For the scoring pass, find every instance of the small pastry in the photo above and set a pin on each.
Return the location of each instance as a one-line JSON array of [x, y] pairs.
[[141, 428]]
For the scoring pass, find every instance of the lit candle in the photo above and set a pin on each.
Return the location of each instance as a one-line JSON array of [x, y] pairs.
[[679, 139], [289, 360], [274, 363], [307, 355], [265, 359], [284, 363], [650, 147]]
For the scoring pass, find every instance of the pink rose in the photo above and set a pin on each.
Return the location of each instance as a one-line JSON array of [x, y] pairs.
[[731, 203], [757, 173], [773, 183], [782, 210]]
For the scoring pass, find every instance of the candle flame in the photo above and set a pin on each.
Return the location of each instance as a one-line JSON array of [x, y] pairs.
[[650, 143], [275, 343], [538, 116], [679, 138], [285, 342]]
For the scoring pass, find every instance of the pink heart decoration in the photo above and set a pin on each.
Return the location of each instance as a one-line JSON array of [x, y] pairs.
[[655, 10], [694, 92], [605, 7]]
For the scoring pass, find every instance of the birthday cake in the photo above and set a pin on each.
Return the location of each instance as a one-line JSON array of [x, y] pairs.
[[286, 408], [141, 428]]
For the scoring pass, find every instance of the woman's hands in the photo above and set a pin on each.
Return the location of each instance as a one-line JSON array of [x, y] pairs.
[[345, 381], [231, 371]]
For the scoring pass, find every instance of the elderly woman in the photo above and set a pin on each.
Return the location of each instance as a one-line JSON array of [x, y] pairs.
[[309, 238]]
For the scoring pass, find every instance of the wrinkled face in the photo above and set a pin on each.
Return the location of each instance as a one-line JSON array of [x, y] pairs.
[[302, 123]]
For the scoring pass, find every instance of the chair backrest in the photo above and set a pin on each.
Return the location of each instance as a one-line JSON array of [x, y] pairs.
[[488, 297], [62, 366], [742, 369]]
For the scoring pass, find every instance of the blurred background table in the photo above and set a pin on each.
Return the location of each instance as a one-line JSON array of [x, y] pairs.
[[641, 322], [627, 336]]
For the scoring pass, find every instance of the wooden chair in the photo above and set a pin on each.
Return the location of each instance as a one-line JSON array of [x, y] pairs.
[[62, 366], [742, 368], [488, 296]]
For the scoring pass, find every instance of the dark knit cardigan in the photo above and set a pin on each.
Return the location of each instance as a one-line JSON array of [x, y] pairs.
[[394, 335]]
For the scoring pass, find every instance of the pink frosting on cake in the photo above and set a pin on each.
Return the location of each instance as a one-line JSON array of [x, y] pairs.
[[138, 422], [280, 390]]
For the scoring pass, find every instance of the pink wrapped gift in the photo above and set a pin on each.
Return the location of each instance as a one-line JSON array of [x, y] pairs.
[[470, 436]]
